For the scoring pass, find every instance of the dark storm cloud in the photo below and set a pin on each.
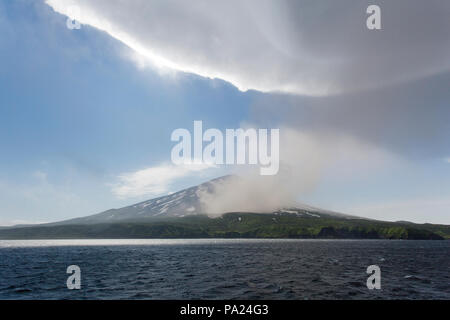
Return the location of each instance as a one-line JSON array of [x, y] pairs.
[[411, 118]]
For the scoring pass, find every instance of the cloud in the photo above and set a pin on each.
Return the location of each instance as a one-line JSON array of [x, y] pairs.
[[409, 119], [154, 180], [304, 159], [362, 99], [302, 47]]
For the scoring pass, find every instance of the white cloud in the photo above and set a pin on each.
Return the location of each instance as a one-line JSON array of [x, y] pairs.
[[304, 47], [153, 181]]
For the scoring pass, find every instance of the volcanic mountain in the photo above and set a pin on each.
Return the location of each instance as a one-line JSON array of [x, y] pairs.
[[180, 204], [182, 215]]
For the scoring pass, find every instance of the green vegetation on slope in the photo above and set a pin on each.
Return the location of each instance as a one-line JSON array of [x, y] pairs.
[[238, 225]]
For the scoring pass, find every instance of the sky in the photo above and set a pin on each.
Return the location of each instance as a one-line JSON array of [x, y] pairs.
[[86, 114]]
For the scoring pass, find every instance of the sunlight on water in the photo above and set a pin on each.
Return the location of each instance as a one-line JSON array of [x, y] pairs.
[[133, 242]]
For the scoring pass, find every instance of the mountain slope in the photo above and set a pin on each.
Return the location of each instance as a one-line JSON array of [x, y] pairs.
[[180, 215], [180, 204], [236, 225]]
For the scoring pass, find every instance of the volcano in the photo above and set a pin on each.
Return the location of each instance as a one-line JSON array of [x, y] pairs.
[[186, 202], [182, 215]]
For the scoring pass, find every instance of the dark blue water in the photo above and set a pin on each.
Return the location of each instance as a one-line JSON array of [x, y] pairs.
[[225, 269]]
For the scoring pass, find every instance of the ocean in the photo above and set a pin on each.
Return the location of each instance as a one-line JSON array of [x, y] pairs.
[[224, 269]]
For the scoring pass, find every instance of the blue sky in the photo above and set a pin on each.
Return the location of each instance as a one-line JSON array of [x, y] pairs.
[[77, 113], [74, 111]]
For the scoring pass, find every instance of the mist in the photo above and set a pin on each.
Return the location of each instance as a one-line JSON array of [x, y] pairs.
[[305, 157]]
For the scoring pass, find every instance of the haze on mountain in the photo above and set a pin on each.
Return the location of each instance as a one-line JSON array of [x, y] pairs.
[[192, 201]]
